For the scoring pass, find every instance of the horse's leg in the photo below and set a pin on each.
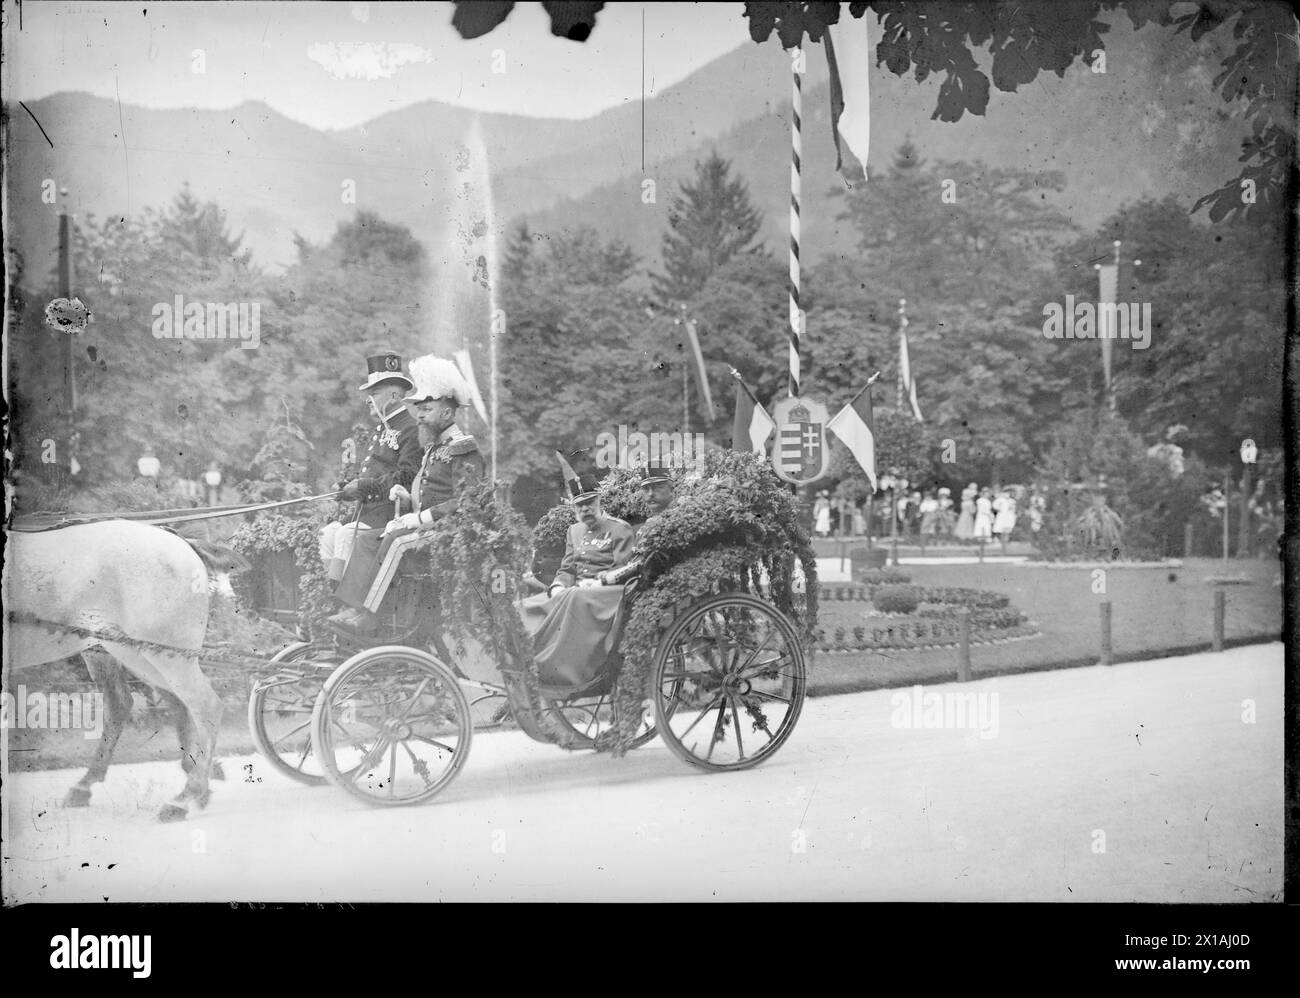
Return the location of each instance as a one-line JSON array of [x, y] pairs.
[[110, 680], [186, 735], [203, 706]]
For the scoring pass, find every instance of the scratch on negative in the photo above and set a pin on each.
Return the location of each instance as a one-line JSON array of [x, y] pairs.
[[38, 124]]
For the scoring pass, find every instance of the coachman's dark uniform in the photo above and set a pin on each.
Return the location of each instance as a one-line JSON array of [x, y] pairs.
[[392, 458]]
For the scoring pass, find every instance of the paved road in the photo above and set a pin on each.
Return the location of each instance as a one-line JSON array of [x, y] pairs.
[[1149, 781]]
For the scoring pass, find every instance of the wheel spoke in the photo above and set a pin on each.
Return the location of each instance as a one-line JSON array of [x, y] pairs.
[[754, 654], [699, 718], [717, 729], [289, 734], [420, 767], [434, 742], [769, 696], [392, 770], [735, 720], [368, 760]]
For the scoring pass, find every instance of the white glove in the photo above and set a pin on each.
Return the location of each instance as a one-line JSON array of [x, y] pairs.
[[399, 492], [587, 583], [406, 521]]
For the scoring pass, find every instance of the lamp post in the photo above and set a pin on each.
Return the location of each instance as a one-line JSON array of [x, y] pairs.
[[148, 465], [212, 478], [1249, 452]]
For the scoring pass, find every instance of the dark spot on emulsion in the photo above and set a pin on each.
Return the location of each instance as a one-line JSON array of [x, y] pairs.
[[1173, 577]]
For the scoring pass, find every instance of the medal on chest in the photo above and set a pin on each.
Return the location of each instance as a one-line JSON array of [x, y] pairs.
[[389, 438]]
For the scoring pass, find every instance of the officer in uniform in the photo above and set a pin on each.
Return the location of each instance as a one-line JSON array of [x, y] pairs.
[[450, 462], [392, 456], [575, 623]]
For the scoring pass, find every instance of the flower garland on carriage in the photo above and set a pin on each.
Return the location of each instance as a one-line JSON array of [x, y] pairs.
[[732, 526]]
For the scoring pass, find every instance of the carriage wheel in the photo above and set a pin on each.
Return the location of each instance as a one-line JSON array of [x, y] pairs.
[[586, 718], [279, 716], [392, 726], [729, 682]]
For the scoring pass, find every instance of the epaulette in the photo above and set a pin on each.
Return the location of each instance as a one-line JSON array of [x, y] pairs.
[[461, 446], [618, 520]]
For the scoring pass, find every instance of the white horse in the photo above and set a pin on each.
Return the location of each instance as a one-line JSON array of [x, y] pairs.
[[127, 580]]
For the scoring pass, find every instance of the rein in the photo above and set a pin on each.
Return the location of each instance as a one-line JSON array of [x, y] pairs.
[[157, 517]]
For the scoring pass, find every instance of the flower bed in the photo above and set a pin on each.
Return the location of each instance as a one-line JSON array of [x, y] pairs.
[[907, 616]]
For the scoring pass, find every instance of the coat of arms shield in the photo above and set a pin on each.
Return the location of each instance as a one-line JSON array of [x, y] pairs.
[[800, 455]]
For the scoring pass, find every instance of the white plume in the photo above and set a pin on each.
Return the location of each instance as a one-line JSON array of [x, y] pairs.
[[435, 377]]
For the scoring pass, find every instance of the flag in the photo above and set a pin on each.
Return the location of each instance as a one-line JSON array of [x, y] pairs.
[[849, 58], [855, 426], [705, 394], [906, 383], [467, 370], [753, 425]]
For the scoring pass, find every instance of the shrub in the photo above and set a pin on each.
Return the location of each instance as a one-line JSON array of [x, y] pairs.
[[895, 599], [884, 577], [962, 596]]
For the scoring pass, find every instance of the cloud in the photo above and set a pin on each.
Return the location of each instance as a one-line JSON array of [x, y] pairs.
[[365, 60]]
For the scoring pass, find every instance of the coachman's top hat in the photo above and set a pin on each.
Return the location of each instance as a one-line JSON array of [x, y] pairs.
[[384, 367]]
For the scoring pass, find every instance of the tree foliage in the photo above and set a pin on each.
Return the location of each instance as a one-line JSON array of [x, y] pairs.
[[709, 222]]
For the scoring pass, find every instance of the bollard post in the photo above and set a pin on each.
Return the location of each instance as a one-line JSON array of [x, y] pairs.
[[1187, 539], [981, 550], [1220, 605], [894, 546], [1107, 652], [963, 645]]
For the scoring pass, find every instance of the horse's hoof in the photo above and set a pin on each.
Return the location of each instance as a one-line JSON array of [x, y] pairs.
[[217, 772], [77, 797], [173, 812]]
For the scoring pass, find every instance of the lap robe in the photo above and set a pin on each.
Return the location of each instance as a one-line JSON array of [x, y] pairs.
[[574, 631]]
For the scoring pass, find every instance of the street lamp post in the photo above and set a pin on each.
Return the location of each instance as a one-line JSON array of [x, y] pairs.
[[1249, 452], [212, 478], [148, 465]]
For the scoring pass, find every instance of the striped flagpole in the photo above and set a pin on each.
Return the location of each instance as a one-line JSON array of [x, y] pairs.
[[796, 124], [904, 363]]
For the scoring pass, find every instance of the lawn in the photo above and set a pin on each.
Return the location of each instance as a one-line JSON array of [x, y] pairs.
[[1154, 612]]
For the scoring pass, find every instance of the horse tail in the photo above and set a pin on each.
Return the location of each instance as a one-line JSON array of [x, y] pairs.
[[216, 558]]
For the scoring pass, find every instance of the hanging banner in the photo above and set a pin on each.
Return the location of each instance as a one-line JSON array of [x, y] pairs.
[[800, 454]]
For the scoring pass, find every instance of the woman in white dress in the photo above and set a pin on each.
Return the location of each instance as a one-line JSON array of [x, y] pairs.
[[966, 523], [984, 516], [1005, 520], [822, 515]]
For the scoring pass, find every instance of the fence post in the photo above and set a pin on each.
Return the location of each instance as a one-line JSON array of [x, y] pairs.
[[1107, 651], [981, 550], [1187, 539], [963, 645], [894, 545], [1220, 605]]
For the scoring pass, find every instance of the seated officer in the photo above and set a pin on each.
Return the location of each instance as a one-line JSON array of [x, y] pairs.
[[451, 461], [392, 456], [575, 623]]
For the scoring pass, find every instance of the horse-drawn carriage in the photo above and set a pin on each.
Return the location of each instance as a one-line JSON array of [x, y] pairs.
[[710, 654], [392, 724]]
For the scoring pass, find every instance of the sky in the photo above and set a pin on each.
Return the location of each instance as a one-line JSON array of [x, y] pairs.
[[335, 65]]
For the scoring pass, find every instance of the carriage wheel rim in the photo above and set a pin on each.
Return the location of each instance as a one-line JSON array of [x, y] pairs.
[[389, 682], [297, 696], [727, 691]]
